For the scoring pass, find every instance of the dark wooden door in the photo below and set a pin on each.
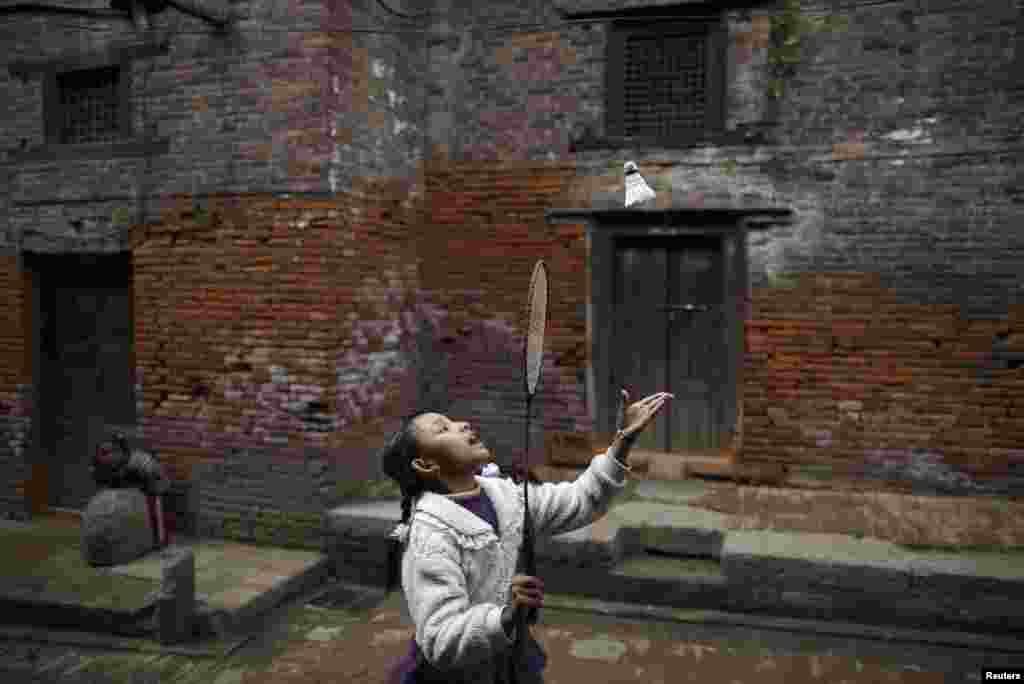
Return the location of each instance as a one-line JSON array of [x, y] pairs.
[[669, 335], [87, 371]]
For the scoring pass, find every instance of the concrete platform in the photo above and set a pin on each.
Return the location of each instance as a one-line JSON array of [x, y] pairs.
[[654, 549], [49, 585]]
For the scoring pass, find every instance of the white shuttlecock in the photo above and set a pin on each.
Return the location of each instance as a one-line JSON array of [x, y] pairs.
[[637, 189]]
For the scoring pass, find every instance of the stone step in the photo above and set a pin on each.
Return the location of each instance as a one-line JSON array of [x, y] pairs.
[[802, 575], [233, 584], [676, 582]]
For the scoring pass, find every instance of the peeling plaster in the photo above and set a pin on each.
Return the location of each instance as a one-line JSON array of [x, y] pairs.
[[381, 69], [916, 135], [773, 252], [395, 100], [919, 466], [274, 411], [18, 420]]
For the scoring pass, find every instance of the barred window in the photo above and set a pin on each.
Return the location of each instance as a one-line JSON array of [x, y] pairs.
[[87, 105], [90, 102], [665, 81]]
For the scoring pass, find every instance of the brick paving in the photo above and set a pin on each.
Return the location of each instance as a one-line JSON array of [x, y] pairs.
[[584, 647]]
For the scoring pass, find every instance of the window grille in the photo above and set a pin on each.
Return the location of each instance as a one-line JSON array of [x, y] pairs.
[[90, 105], [664, 82], [664, 86]]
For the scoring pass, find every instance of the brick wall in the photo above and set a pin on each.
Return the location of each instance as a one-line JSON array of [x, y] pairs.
[[485, 232], [843, 372], [270, 327], [270, 242], [15, 386], [357, 254], [883, 316]]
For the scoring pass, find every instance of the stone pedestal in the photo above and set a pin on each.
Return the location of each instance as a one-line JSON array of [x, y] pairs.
[[116, 527], [177, 596]]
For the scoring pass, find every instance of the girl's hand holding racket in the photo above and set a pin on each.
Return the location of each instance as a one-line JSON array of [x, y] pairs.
[[526, 592]]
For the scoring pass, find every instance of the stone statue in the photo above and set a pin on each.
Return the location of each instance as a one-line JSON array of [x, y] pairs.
[[125, 519]]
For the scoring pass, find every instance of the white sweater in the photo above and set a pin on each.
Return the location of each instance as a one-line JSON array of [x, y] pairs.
[[456, 573]]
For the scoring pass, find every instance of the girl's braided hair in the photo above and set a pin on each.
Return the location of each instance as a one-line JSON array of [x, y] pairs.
[[396, 461]]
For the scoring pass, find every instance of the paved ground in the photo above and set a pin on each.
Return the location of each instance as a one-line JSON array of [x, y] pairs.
[[316, 644], [312, 645]]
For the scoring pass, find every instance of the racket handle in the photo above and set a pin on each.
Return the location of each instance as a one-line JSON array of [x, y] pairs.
[[620, 413]]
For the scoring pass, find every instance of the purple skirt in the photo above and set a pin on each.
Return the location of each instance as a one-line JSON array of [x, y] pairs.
[[408, 670]]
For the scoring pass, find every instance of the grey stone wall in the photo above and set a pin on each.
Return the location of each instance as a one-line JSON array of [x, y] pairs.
[[15, 428], [254, 496], [897, 140], [290, 98]]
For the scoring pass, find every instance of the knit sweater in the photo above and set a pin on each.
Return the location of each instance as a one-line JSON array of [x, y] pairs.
[[460, 556], [480, 505]]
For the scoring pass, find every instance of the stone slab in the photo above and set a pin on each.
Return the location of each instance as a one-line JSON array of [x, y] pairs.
[[677, 493], [681, 530], [974, 573], [792, 560], [177, 597]]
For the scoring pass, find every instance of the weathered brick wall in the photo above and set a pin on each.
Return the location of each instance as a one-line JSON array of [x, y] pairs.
[[888, 346], [289, 99], [15, 385], [485, 232], [268, 331], [275, 284], [301, 326], [842, 371], [896, 145]]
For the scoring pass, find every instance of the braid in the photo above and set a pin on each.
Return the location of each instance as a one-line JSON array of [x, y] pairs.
[[396, 459], [406, 507]]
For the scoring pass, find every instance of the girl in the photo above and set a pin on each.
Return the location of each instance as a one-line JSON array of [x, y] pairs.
[[461, 535]]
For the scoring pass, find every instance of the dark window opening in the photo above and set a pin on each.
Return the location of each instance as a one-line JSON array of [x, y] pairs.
[[90, 106], [665, 82]]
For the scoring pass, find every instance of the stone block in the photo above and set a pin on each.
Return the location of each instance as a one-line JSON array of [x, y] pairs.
[[116, 527], [798, 561], [176, 607]]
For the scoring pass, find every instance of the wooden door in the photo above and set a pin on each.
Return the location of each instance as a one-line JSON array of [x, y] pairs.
[[87, 368], [669, 335]]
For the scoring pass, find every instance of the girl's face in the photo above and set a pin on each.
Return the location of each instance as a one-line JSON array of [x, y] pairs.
[[447, 449]]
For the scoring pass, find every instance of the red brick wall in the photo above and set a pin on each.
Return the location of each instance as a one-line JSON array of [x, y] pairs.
[[485, 230], [840, 371], [15, 382], [245, 318]]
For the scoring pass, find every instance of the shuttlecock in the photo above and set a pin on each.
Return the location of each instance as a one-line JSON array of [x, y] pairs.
[[637, 189]]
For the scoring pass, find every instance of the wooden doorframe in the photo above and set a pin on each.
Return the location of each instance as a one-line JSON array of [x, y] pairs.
[[37, 489], [39, 269], [604, 226]]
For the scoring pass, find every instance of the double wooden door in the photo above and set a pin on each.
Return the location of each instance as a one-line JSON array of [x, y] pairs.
[[670, 335]]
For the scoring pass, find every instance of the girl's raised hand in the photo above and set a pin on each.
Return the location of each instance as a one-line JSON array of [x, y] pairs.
[[635, 418]]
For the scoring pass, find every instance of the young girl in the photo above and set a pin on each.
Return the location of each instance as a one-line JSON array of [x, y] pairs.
[[461, 535]]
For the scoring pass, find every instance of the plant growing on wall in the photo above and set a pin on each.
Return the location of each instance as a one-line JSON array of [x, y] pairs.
[[120, 217], [784, 53]]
